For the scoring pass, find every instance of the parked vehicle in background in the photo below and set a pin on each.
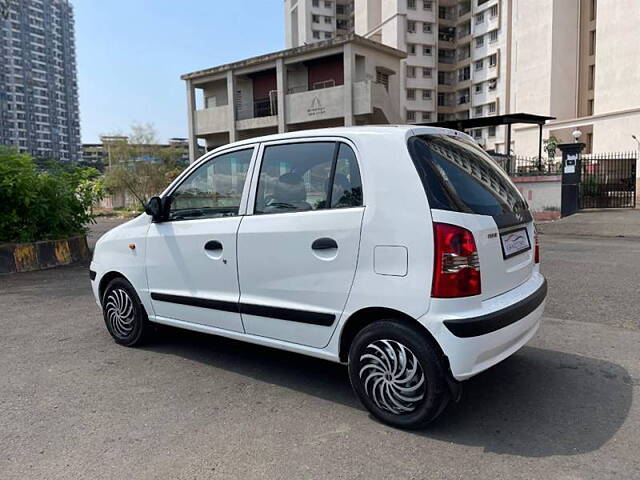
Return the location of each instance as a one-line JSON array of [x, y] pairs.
[[403, 252]]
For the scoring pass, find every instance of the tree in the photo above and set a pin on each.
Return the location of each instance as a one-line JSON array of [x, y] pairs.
[[550, 146], [37, 204], [139, 165]]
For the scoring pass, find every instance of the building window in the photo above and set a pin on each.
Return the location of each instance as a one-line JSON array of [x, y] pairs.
[[411, 93], [328, 20], [492, 108], [594, 9], [315, 3], [478, 88], [493, 11], [411, 48], [479, 18], [426, 51], [479, 41], [316, 34], [340, 10], [411, 4], [592, 42], [426, 72], [426, 27], [478, 111], [426, 94], [383, 79], [477, 133], [492, 131], [427, 5], [592, 76], [493, 59], [411, 71], [590, 107], [315, 18], [327, 35], [492, 84], [411, 26], [479, 65], [426, 116], [411, 116], [493, 36], [328, 4]]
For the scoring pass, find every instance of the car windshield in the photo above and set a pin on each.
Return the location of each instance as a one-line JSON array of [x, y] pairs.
[[458, 175]]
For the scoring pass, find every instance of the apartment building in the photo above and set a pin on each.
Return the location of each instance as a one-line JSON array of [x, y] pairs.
[[457, 56], [308, 21], [579, 61], [347, 80], [38, 85]]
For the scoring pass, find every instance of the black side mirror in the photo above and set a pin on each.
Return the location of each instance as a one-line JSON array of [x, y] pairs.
[[154, 209]]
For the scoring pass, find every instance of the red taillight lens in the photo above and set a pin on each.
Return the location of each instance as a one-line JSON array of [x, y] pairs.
[[456, 271], [536, 250]]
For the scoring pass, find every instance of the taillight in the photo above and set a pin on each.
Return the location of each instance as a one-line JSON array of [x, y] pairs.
[[457, 268], [536, 250]]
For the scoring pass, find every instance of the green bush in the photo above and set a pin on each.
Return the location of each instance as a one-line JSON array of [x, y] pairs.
[[41, 205]]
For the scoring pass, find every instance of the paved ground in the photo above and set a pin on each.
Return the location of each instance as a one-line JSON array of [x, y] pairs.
[[75, 405]]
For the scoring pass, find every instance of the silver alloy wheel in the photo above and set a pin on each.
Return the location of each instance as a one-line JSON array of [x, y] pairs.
[[120, 312], [392, 376]]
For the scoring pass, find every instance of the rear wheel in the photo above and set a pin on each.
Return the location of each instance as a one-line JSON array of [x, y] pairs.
[[397, 374], [124, 315]]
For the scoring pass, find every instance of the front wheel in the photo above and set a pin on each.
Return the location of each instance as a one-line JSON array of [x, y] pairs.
[[397, 374], [124, 315]]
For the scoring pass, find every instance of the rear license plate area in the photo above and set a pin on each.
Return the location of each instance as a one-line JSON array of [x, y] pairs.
[[514, 242]]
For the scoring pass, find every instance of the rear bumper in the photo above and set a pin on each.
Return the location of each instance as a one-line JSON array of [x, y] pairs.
[[475, 343], [490, 322]]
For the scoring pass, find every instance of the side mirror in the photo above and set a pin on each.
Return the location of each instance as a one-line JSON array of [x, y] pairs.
[[154, 209]]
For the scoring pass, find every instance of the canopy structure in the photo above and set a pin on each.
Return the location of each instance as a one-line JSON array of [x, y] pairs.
[[495, 120]]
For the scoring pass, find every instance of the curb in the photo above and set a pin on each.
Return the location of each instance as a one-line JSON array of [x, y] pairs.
[[26, 257]]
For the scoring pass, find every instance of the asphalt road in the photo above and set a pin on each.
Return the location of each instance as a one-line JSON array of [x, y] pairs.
[[189, 406]]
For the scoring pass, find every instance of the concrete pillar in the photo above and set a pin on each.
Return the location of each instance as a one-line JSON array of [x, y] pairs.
[[349, 73], [191, 121], [281, 82], [231, 95]]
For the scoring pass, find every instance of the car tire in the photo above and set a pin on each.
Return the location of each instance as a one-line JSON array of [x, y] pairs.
[[398, 374], [124, 314]]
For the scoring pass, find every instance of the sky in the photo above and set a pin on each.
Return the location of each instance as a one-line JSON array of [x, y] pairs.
[[131, 53]]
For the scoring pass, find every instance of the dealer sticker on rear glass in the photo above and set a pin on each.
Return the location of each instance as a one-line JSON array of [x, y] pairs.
[[515, 242]]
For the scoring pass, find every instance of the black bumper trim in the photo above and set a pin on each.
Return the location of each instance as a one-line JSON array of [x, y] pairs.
[[476, 326]]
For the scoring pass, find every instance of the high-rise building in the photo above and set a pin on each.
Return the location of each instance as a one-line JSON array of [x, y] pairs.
[[38, 85], [457, 57], [308, 21], [478, 58]]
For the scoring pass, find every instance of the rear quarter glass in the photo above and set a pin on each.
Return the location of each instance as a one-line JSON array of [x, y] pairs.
[[459, 176]]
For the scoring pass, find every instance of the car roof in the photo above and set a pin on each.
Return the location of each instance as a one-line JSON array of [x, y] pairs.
[[351, 132]]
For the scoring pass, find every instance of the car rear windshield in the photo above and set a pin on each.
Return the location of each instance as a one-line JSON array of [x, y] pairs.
[[458, 175]]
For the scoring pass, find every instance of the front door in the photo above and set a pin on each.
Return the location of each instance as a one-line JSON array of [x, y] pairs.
[[191, 258], [297, 253]]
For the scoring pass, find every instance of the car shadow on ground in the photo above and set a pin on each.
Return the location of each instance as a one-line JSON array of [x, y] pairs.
[[537, 403]]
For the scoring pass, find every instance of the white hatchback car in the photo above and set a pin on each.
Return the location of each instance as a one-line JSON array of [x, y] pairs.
[[402, 251]]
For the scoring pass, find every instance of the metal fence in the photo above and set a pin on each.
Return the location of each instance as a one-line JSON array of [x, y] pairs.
[[608, 180], [517, 166]]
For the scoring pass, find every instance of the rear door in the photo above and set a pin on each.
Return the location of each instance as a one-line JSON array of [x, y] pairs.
[[466, 188], [297, 252]]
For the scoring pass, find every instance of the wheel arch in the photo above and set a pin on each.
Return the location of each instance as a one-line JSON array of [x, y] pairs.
[[106, 279], [360, 319]]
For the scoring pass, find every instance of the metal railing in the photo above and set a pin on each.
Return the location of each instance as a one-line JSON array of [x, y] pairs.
[[518, 166]]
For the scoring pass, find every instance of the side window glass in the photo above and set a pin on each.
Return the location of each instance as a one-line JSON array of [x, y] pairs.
[[347, 186], [294, 177], [214, 189]]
